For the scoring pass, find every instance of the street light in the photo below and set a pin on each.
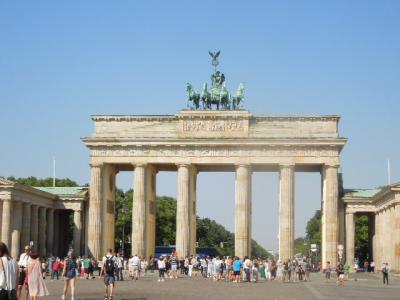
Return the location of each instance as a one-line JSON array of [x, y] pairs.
[[124, 210]]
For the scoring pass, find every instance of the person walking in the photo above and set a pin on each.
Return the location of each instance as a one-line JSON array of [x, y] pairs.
[[328, 270], [120, 267], [135, 264], [173, 260], [340, 275], [69, 275], [36, 286], [109, 269], [22, 263], [237, 265], [385, 273], [8, 274], [161, 269]]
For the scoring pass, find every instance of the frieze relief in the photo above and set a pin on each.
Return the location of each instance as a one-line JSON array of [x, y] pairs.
[[212, 151]]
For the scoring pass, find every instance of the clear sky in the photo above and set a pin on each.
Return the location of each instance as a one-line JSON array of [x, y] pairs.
[[62, 62]]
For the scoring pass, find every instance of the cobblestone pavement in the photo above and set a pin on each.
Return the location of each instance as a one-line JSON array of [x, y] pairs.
[[367, 286]]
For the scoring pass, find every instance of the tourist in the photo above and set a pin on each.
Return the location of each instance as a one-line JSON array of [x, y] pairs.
[[279, 270], [340, 275], [328, 270], [109, 269], [290, 270], [173, 260], [135, 264], [372, 265], [306, 269], [22, 263], [36, 286], [210, 267], [237, 266], [218, 269], [55, 268], [267, 269], [385, 273], [346, 269], [247, 266], [254, 273], [228, 269], [161, 269], [8, 274], [120, 267], [99, 266], [69, 274]]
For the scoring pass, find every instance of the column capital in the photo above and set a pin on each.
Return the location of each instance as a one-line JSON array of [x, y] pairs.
[[139, 165], [330, 165], [243, 165], [290, 165], [183, 165], [96, 164]]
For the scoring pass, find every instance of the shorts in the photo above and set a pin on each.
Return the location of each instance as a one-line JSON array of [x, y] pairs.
[[21, 277], [70, 274], [135, 268], [174, 267], [109, 279], [236, 273]]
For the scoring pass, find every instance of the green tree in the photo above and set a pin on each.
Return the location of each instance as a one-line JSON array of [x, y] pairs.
[[46, 182], [361, 236]]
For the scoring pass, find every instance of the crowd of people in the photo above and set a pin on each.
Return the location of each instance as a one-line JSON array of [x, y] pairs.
[[26, 275]]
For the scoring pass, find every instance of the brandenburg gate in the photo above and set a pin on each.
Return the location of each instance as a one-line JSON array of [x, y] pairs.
[[196, 140]]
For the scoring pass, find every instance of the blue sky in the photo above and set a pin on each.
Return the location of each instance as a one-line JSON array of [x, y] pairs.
[[62, 62]]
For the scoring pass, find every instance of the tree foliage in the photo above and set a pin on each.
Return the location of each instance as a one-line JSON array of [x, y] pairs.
[[208, 232], [46, 182], [361, 237]]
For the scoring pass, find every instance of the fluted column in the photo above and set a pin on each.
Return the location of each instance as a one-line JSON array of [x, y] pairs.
[[26, 225], [77, 232], [6, 222], [330, 228], [16, 229], [193, 209], [286, 212], [35, 226], [396, 237], [350, 233], [243, 211], [183, 212], [139, 212], [50, 232], [151, 210], [42, 231], [95, 213]]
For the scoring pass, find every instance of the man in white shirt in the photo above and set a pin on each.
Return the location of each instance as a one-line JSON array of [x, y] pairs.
[[135, 264], [22, 262]]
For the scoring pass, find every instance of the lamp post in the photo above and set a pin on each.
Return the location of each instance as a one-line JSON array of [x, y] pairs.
[[124, 210]]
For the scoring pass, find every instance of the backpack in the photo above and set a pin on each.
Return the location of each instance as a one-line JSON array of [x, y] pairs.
[[109, 265]]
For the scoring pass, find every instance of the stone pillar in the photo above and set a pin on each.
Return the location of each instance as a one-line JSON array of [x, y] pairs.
[[139, 212], [6, 222], [193, 210], [151, 210], [396, 237], [350, 242], [330, 228], [77, 232], [391, 232], [57, 224], [50, 232], [26, 225], [183, 212], [243, 211], [35, 226], [42, 231], [286, 212], [16, 229], [95, 213]]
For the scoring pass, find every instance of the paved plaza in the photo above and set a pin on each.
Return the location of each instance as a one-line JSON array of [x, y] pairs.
[[368, 286]]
